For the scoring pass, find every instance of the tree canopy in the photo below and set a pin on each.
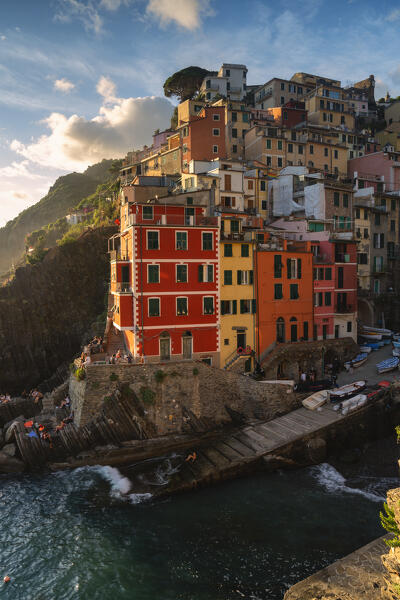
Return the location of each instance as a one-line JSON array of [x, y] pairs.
[[185, 83]]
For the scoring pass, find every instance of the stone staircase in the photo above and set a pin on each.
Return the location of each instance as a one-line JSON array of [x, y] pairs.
[[115, 342]]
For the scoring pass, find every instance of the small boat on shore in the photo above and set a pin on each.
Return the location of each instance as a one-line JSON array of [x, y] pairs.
[[347, 390], [388, 365], [373, 337], [359, 360], [353, 403], [396, 344], [316, 400], [365, 349], [396, 351], [379, 330], [372, 345]]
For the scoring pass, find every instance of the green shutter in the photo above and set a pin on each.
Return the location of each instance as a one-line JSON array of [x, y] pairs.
[[234, 307], [299, 268], [289, 268], [253, 306], [251, 277], [239, 277], [200, 273]]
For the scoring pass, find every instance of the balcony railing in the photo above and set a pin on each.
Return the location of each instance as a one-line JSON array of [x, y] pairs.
[[322, 259], [344, 308], [121, 286], [118, 255]]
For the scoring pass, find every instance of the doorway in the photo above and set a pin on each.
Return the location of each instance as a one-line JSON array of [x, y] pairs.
[[293, 329], [165, 347], [187, 345], [241, 340], [324, 332]]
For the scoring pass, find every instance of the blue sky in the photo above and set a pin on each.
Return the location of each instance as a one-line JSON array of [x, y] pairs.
[[82, 79]]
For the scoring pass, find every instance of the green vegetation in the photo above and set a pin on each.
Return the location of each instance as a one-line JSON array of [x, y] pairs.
[[80, 373], [159, 376], [195, 371], [41, 225], [184, 84], [114, 377], [388, 522], [147, 395]]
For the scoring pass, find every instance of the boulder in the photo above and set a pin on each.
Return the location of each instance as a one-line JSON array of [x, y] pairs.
[[10, 433], [316, 450], [10, 449], [20, 419], [10, 464]]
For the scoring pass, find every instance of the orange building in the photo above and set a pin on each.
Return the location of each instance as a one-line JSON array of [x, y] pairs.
[[284, 293], [203, 136]]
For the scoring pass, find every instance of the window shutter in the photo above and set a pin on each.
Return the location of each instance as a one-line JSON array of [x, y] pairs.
[[210, 273], [253, 306], [299, 268], [239, 277], [251, 277], [201, 273], [289, 268], [241, 306], [234, 307]]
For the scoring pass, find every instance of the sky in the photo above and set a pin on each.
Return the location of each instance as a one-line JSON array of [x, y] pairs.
[[81, 80]]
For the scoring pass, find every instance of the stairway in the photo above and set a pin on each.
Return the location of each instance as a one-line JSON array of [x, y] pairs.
[[115, 342]]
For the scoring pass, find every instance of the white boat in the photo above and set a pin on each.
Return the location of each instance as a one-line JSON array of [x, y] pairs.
[[365, 349], [353, 403], [373, 337], [347, 390], [376, 330], [316, 400], [396, 351], [359, 360]]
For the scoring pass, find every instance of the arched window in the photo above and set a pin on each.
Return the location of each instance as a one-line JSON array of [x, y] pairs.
[[293, 329], [280, 330]]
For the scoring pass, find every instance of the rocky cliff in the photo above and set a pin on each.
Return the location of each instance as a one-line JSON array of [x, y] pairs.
[[48, 307]]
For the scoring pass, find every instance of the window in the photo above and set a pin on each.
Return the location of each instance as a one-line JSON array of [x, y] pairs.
[[318, 297], [250, 184], [269, 161], [189, 200], [228, 307], [208, 305], [234, 133], [328, 274], [328, 298], [244, 277], [293, 268], [147, 212], [227, 277], [234, 117], [300, 149], [362, 258], [263, 205], [357, 213], [290, 148], [379, 240], [245, 306], [269, 145], [277, 265], [336, 154], [228, 250], [234, 226], [392, 225], [215, 149], [216, 131], [349, 326], [245, 250], [294, 291], [293, 136], [153, 273], [206, 273], [181, 306], [278, 293], [181, 273], [208, 84], [206, 241], [282, 86], [326, 152], [262, 186], [234, 149], [227, 72], [336, 197], [152, 240], [154, 307], [216, 117], [377, 286], [311, 149], [342, 120], [282, 100], [393, 204], [181, 240], [279, 161]]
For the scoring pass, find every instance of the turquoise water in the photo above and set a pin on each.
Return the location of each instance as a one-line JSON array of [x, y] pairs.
[[76, 535]]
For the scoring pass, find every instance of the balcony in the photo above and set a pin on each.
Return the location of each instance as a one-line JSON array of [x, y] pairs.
[[322, 259], [344, 308], [118, 255], [379, 269], [342, 258], [123, 287]]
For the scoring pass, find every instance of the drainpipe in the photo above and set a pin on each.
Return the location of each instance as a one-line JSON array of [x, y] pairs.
[[141, 284], [255, 285]]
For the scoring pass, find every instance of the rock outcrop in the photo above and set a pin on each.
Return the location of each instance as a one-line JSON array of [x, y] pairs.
[[48, 307]]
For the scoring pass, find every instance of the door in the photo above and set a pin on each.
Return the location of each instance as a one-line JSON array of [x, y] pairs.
[[189, 215], [125, 278], [187, 347], [228, 184], [165, 348], [336, 331], [293, 333], [241, 340], [324, 332], [340, 277]]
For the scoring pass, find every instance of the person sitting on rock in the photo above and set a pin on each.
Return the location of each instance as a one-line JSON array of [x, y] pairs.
[[191, 457]]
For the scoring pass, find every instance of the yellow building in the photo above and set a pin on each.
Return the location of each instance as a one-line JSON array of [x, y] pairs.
[[328, 105], [238, 318], [391, 135]]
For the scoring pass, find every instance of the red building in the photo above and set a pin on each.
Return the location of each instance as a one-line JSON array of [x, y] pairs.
[[203, 136], [164, 281], [335, 289]]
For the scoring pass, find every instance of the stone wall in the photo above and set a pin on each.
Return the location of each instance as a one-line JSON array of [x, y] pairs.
[[291, 359], [167, 390]]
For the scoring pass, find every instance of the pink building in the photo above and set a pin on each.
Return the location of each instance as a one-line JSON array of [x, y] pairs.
[[380, 170]]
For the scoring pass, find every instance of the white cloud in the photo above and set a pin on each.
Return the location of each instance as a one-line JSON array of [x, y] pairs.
[[186, 13], [394, 15], [85, 12], [113, 4], [63, 85], [3, 37], [106, 88], [75, 142]]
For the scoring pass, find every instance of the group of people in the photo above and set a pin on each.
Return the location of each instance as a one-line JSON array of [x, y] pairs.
[[118, 357], [4, 398], [34, 395], [96, 345], [37, 430]]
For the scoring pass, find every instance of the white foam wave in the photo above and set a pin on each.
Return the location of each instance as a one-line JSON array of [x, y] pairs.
[[139, 498], [334, 482], [120, 485]]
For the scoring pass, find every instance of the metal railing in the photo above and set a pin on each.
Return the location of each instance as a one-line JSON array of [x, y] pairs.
[[344, 308], [121, 286]]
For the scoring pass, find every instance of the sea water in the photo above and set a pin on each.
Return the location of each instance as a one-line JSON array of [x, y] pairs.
[[86, 534]]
